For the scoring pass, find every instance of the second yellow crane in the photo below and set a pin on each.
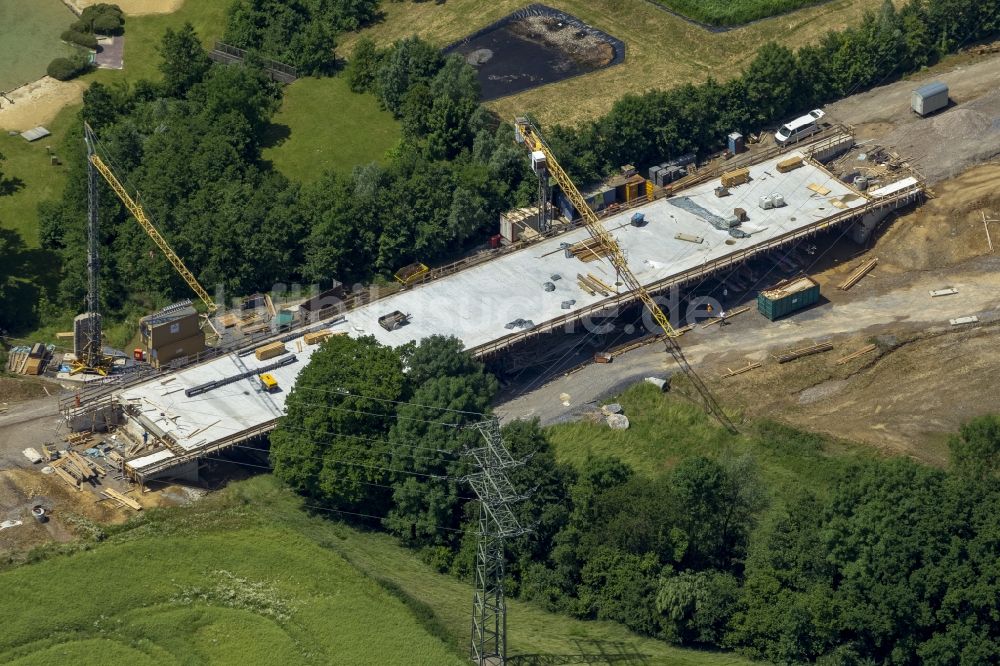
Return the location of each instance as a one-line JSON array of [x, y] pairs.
[[527, 133]]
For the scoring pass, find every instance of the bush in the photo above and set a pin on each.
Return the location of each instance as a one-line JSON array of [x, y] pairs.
[[103, 19], [83, 39], [65, 69]]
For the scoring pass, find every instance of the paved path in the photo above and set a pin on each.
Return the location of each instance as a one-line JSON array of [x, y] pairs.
[[901, 303]]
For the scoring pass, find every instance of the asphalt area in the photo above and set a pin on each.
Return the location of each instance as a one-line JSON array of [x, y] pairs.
[[521, 52]]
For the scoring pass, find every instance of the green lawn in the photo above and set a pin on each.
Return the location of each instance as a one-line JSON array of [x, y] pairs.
[[733, 12], [666, 428], [323, 126], [245, 577], [30, 39], [143, 35]]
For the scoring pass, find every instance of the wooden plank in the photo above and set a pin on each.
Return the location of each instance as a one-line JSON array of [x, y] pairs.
[[729, 315], [804, 351], [861, 352], [128, 501], [958, 321], [601, 282], [740, 371], [859, 273], [818, 189], [67, 478], [946, 291]]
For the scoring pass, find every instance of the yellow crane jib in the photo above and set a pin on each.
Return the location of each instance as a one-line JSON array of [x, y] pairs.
[[161, 242], [525, 132]]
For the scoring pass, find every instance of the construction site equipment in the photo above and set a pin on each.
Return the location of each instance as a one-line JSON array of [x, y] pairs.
[[787, 296], [736, 177], [859, 273], [929, 98], [861, 352], [393, 320], [791, 164], [140, 215], [87, 338], [219, 383], [411, 273], [527, 133], [268, 382], [804, 351], [270, 351]]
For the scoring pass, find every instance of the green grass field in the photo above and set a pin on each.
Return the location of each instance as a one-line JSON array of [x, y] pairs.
[[30, 39], [245, 577], [733, 12], [323, 126], [662, 50], [666, 428]]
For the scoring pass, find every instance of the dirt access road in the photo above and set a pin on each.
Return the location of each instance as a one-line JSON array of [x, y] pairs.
[[946, 143], [892, 399]]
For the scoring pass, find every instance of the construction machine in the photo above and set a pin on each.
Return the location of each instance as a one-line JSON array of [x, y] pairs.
[[543, 159]]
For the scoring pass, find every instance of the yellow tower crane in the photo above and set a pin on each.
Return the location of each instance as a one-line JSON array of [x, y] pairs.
[[527, 133], [161, 242]]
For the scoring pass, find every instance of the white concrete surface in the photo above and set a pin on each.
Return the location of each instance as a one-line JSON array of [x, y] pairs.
[[475, 304]]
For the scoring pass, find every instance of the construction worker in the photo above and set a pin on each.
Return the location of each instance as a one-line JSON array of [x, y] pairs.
[[722, 318]]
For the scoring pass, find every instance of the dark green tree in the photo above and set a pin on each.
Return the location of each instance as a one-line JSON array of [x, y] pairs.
[[331, 444], [183, 60], [975, 450]]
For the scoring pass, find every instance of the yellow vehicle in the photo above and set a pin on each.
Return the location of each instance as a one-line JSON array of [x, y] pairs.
[[268, 382]]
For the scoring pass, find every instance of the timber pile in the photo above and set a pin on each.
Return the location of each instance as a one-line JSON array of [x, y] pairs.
[[75, 469], [76, 438], [861, 352], [859, 273], [592, 285], [805, 351], [317, 337], [122, 499], [588, 250], [270, 351], [736, 177]]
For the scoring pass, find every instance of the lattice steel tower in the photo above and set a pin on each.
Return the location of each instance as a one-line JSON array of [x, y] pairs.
[[93, 354], [497, 523]]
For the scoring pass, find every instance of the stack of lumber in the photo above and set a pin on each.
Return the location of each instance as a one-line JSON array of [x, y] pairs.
[[792, 163], [316, 337], [805, 351], [859, 273], [735, 177], [588, 250], [270, 351], [592, 285], [75, 438], [229, 320], [74, 469], [861, 352], [122, 499]]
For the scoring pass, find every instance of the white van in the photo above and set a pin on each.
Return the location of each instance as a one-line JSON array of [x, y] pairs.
[[799, 128]]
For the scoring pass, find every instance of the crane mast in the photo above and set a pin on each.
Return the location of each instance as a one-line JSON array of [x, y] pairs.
[[527, 133]]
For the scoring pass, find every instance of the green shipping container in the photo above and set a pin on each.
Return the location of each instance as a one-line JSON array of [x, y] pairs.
[[787, 297]]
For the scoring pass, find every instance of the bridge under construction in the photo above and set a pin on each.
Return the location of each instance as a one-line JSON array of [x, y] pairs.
[[178, 416]]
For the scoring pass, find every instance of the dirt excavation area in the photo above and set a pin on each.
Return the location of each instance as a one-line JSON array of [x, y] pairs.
[[945, 143], [921, 381]]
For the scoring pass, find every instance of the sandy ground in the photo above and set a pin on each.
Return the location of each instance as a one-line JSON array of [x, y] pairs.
[[944, 144], [894, 404], [135, 7], [38, 103]]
